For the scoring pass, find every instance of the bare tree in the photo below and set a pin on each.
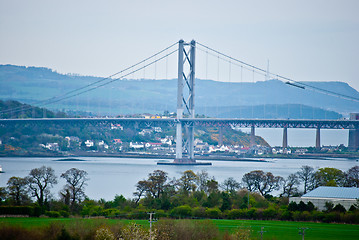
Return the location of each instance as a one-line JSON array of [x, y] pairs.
[[141, 188], [40, 180], [75, 185], [290, 185], [352, 177], [17, 190], [306, 175], [202, 179], [230, 185]]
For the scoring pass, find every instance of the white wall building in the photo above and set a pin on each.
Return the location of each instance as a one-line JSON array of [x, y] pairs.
[[346, 196]]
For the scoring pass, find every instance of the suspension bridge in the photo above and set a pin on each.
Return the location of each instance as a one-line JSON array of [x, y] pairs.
[[185, 120]]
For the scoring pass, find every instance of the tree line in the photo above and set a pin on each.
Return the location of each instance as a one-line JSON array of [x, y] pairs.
[[193, 194], [37, 185]]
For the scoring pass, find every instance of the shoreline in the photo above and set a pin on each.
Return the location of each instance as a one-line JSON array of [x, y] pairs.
[[172, 157]]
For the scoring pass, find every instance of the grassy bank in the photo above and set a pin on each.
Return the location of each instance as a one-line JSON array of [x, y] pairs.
[[273, 229]]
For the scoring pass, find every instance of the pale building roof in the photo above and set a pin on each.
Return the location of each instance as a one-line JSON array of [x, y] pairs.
[[333, 192]]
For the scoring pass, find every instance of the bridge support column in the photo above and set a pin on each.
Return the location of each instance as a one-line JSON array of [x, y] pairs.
[[353, 141], [285, 138], [253, 137], [317, 138], [220, 137], [179, 140]]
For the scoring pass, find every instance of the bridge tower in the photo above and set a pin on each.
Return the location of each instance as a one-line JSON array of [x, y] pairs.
[[353, 143], [185, 100]]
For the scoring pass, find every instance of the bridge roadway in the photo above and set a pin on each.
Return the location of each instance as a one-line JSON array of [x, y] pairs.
[[235, 122]]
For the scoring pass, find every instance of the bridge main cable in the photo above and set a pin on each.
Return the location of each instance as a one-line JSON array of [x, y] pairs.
[[336, 94], [66, 95]]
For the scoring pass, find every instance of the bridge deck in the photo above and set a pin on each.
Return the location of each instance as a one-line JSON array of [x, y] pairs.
[[236, 122]]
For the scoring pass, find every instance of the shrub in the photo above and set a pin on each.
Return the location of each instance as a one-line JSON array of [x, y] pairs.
[[202, 230], [213, 213], [269, 213], [242, 233], [64, 235], [64, 213], [135, 232], [339, 208], [199, 212], [52, 214], [332, 217], [21, 210], [165, 229], [252, 213], [19, 233], [235, 214], [292, 206], [104, 233], [182, 211]]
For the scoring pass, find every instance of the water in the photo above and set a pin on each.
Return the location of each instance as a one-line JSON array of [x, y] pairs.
[[302, 137], [111, 176]]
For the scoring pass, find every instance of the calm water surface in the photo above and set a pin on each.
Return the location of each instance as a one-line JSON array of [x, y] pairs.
[[111, 176]]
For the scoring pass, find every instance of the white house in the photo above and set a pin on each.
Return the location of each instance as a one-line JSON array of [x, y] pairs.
[[89, 143], [136, 145]]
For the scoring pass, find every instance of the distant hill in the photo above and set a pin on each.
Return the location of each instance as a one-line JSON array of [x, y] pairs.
[[269, 99], [15, 109]]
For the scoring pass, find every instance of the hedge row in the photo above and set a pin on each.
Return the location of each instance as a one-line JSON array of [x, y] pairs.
[[32, 211]]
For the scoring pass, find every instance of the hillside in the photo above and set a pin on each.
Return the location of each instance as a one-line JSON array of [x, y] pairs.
[[246, 99], [30, 139], [15, 109]]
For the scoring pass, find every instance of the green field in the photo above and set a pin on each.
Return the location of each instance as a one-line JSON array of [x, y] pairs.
[[274, 229]]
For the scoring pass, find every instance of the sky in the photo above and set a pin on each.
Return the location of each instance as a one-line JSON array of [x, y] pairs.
[[307, 40]]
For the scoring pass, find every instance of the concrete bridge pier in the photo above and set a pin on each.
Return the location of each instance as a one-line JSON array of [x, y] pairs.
[[317, 139], [285, 138], [353, 141], [220, 137], [253, 137]]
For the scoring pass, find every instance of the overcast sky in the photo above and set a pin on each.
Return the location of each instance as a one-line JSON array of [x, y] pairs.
[[306, 40]]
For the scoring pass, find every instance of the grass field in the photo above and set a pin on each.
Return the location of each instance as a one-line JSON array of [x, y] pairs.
[[273, 229]]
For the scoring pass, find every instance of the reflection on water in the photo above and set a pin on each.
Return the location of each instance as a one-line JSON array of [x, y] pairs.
[[111, 176]]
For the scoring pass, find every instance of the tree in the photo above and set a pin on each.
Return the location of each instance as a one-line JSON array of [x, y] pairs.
[[202, 179], [329, 177], [187, 182], [40, 180], [230, 185], [75, 185], [290, 185], [306, 174], [3, 194], [156, 183], [17, 190], [141, 188], [212, 185], [352, 177], [261, 181]]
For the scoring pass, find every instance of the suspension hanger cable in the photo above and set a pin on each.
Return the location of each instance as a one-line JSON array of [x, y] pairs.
[[96, 82], [328, 92], [101, 85]]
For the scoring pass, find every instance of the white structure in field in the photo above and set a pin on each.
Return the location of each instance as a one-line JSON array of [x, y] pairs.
[[346, 196]]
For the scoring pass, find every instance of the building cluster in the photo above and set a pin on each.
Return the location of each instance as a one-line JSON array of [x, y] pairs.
[[166, 145]]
